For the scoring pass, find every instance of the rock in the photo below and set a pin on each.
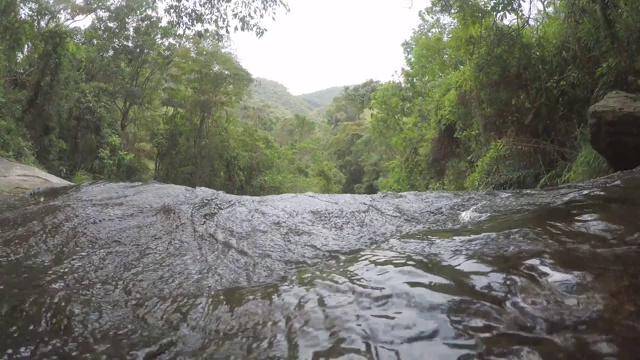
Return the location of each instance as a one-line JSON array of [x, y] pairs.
[[17, 178], [614, 127]]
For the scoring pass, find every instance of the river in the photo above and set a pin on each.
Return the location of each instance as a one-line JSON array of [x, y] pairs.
[[155, 271]]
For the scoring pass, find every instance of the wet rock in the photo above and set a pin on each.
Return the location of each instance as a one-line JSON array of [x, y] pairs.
[[614, 126], [155, 271], [17, 178]]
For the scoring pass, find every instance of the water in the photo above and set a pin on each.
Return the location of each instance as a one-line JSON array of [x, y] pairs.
[[166, 272]]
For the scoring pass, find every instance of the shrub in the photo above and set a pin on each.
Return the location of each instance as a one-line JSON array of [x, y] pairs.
[[13, 143], [81, 177], [507, 165]]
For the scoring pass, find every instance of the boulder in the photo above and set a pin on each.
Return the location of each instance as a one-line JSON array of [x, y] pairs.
[[17, 178], [614, 129]]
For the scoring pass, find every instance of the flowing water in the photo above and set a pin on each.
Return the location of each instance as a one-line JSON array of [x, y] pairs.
[[158, 271]]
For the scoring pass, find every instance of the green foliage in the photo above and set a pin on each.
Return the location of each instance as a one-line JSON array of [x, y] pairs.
[[329, 179], [270, 107], [269, 92], [495, 92], [587, 165], [350, 105], [295, 129], [505, 166], [14, 144], [223, 15], [81, 177], [456, 174], [131, 97], [583, 164], [494, 96]]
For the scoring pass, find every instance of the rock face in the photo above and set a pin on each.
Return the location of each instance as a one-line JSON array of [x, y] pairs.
[[614, 126], [15, 178]]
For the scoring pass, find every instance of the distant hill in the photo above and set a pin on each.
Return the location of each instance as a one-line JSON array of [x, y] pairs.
[[273, 93], [274, 100], [319, 99]]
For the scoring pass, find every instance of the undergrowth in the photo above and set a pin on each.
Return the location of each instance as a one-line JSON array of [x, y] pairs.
[[585, 164]]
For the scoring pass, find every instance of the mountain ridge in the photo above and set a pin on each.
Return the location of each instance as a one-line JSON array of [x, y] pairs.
[[272, 93], [321, 98]]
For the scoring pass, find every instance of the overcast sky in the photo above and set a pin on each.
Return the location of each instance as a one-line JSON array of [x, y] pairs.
[[324, 43]]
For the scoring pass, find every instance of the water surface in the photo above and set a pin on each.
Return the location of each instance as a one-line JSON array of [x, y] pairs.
[[166, 272]]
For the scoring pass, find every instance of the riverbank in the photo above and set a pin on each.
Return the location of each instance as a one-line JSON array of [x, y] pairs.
[[17, 178]]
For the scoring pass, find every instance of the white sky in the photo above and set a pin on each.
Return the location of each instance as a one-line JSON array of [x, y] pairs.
[[325, 43]]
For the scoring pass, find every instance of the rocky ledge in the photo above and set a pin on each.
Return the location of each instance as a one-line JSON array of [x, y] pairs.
[[614, 126], [17, 178]]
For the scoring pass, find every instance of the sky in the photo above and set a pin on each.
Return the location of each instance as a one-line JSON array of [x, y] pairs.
[[325, 43]]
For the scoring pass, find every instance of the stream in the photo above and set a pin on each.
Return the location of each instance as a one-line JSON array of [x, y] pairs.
[[156, 271]]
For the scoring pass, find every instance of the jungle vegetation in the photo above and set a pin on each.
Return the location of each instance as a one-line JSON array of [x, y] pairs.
[[494, 95]]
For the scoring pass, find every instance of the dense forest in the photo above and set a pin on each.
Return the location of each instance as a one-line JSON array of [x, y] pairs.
[[494, 95]]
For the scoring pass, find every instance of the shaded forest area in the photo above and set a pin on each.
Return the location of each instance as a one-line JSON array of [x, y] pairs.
[[494, 96]]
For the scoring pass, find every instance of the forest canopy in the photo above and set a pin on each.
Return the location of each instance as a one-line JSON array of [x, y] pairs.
[[494, 94]]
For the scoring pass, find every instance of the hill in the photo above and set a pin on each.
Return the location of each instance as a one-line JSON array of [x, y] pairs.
[[269, 92], [274, 100], [319, 99]]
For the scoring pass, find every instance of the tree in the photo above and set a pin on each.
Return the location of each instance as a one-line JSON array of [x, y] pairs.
[[222, 15], [493, 95], [90, 99], [129, 57], [202, 84], [350, 105], [495, 92]]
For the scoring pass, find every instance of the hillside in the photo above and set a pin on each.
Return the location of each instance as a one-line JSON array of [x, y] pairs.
[[269, 92], [273, 99], [319, 99]]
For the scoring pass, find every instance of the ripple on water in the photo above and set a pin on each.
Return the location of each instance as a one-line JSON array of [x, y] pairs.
[[158, 271]]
